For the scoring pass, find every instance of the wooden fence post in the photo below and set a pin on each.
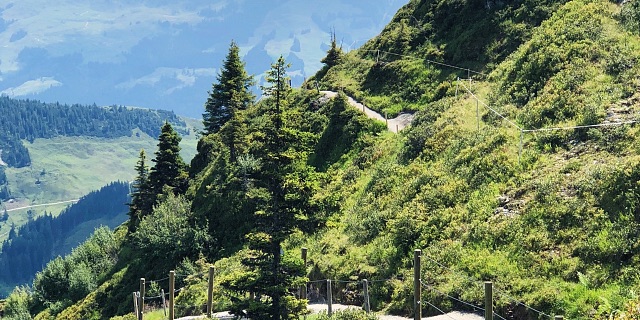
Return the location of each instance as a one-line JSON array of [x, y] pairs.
[[488, 300], [172, 286], [164, 302], [365, 285], [135, 304], [329, 298], [303, 289], [417, 289], [478, 112], [520, 146], [210, 294], [141, 300]]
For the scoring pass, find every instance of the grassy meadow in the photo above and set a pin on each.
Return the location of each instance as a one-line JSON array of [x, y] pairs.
[[67, 168]]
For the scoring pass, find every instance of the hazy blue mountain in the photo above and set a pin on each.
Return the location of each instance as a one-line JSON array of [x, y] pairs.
[[164, 54]]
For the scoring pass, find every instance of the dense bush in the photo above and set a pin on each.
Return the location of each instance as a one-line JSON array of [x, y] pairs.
[[67, 280], [349, 314]]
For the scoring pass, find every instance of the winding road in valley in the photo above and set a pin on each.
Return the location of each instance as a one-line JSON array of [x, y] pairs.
[[42, 205], [394, 125]]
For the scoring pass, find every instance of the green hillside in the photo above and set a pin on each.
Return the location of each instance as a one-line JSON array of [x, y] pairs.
[[520, 167], [66, 168]]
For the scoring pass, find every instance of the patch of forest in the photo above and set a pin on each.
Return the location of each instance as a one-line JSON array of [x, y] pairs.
[[32, 119], [34, 244]]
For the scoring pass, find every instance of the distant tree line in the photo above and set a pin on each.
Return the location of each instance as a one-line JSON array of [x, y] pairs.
[[31, 119], [34, 244]]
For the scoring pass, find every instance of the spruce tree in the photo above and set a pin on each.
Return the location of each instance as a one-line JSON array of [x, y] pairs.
[[230, 94], [334, 54], [141, 203], [169, 171], [279, 195]]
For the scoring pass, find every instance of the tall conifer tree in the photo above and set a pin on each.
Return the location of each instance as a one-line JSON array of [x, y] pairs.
[[229, 94], [334, 54], [169, 170], [280, 195], [141, 202]]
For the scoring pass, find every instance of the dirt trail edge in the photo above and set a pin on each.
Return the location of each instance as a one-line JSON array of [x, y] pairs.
[[394, 125], [317, 308]]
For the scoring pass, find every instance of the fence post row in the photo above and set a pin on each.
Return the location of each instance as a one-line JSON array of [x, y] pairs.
[[138, 297], [417, 289]]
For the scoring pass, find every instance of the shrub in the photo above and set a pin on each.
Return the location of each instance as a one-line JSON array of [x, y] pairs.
[[349, 314]]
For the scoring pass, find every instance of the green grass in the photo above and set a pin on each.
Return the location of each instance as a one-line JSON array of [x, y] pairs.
[[155, 315]]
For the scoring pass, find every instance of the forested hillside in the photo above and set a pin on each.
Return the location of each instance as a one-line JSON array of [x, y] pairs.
[[521, 167], [30, 120], [34, 244]]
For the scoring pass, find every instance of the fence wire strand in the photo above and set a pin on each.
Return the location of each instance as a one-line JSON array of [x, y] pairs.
[[599, 125], [446, 314], [465, 276], [429, 61], [518, 302], [501, 292], [450, 297], [488, 107]]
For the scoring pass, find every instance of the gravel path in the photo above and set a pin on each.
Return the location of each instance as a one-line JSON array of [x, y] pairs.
[[317, 308], [394, 125]]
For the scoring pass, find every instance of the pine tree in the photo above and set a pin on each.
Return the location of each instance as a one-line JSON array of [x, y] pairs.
[[141, 203], [5, 216], [278, 89], [169, 170], [334, 55], [230, 94], [279, 195]]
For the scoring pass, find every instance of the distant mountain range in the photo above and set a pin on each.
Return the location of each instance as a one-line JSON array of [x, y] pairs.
[[164, 54]]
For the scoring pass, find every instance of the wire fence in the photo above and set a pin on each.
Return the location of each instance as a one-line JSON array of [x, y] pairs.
[[338, 294], [522, 130], [463, 275], [442, 64]]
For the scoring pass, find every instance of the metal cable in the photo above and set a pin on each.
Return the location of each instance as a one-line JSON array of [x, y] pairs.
[[498, 290], [488, 107], [501, 292], [430, 61], [450, 297], [446, 314], [608, 124]]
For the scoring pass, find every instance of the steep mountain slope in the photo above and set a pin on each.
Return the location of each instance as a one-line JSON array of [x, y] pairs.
[[555, 227], [504, 176]]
